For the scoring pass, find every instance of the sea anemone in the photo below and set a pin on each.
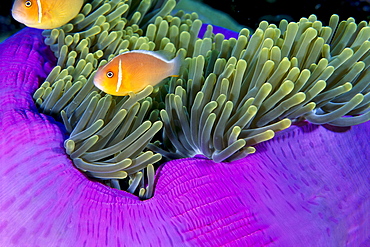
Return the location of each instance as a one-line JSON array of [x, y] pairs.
[[231, 94], [296, 186]]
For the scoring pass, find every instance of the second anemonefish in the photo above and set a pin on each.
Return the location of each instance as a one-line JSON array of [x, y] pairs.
[[45, 14], [132, 71]]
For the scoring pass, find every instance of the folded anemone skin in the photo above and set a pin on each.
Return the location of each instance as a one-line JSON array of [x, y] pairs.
[[309, 186]]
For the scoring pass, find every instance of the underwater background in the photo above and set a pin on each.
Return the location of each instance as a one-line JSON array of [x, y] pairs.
[[270, 10]]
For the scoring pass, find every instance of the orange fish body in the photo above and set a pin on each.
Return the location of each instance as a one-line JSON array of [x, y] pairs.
[[45, 14], [134, 70]]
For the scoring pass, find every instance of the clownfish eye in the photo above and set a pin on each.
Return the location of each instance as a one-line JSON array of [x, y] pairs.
[[28, 4], [110, 74]]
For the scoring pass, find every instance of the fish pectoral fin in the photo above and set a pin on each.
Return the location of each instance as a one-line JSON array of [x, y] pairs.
[[174, 75]]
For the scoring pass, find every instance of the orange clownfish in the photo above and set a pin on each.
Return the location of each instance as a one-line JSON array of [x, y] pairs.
[[132, 71], [45, 14]]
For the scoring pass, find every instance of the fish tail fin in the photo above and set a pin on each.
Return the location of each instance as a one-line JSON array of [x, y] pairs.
[[178, 63]]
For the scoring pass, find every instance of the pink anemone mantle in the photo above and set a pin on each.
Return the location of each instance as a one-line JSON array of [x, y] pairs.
[[309, 186]]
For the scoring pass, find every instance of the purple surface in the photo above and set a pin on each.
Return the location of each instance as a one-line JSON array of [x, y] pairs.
[[216, 29], [307, 187]]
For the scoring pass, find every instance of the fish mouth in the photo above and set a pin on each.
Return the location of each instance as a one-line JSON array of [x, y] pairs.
[[22, 18], [18, 15]]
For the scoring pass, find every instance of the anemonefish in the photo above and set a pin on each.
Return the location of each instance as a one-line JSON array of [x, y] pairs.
[[45, 14], [132, 71]]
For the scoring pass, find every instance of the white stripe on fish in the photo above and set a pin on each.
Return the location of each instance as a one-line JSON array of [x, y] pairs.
[[39, 7], [119, 75]]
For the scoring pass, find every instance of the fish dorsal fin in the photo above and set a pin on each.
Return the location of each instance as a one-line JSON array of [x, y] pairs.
[[163, 55]]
